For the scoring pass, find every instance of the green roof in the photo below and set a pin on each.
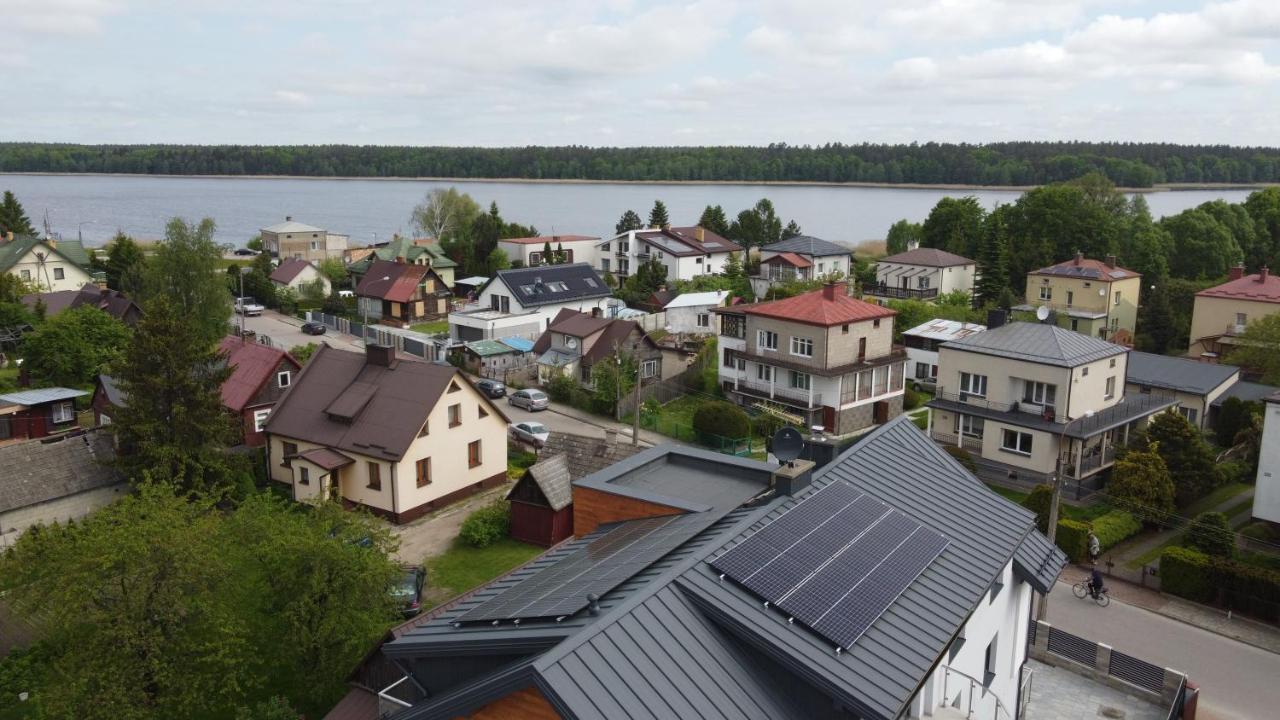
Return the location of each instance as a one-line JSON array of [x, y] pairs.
[[404, 248], [485, 348], [12, 252]]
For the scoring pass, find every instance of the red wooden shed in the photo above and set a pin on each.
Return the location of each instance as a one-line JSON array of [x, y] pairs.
[[542, 503]]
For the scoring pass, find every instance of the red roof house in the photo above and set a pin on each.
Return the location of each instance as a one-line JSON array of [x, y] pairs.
[[401, 294]]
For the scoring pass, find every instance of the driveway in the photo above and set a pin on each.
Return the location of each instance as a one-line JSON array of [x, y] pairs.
[[286, 332], [432, 534]]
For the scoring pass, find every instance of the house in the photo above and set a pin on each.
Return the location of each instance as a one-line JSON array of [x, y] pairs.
[[891, 584], [800, 258], [922, 344], [1266, 495], [259, 377], [690, 313], [1094, 297], [659, 298], [32, 414], [291, 239], [543, 291], [295, 273], [396, 436], [420, 251], [55, 480], [686, 252], [922, 274], [49, 265], [483, 323], [112, 302], [401, 294], [575, 342], [1023, 396], [529, 251], [1222, 312], [495, 358], [817, 359], [1196, 385]]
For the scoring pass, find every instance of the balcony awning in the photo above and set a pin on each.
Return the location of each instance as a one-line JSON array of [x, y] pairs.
[[1130, 408]]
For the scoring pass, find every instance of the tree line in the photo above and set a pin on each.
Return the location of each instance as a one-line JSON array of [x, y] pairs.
[[1010, 163]]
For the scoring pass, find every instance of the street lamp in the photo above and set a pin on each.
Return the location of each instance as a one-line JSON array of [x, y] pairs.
[[80, 229], [364, 330], [1042, 610]]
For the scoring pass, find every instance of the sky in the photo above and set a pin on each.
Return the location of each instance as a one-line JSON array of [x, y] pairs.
[[627, 72]]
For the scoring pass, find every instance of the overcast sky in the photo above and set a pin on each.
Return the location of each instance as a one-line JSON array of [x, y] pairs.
[[620, 72]]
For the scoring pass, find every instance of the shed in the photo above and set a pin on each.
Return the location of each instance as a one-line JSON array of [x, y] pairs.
[[542, 503], [488, 357]]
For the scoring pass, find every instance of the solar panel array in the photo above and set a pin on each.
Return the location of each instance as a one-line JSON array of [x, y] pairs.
[[834, 562], [610, 560]]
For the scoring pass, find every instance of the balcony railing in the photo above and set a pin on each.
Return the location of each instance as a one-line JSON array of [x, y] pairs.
[[899, 293], [1234, 330], [783, 393], [1094, 461], [968, 442]]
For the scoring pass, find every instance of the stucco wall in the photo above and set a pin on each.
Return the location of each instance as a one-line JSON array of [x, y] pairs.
[[43, 275], [1212, 317], [1266, 497], [14, 522]]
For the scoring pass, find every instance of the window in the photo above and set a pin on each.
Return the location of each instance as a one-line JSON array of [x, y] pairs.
[[989, 663], [973, 384], [1038, 393], [455, 415], [64, 412], [649, 368], [844, 329], [624, 246], [1084, 372], [767, 340], [287, 451], [922, 370], [1046, 292], [375, 475], [1241, 318], [801, 346], [1111, 387], [801, 381], [970, 425], [304, 476], [315, 245], [704, 319], [604, 247], [483, 413], [1015, 442], [1071, 298], [604, 263], [535, 258], [282, 379], [742, 365], [1117, 297], [1075, 325], [764, 372], [424, 472], [473, 453], [1113, 362], [59, 274], [728, 357], [1191, 414], [557, 286], [923, 282], [260, 419], [697, 261]]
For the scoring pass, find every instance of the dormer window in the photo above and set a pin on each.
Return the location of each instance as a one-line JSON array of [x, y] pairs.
[[283, 379]]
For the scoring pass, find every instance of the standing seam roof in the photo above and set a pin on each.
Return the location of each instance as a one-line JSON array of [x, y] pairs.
[[1038, 342]]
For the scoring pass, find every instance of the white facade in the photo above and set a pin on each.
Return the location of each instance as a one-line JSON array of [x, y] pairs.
[[485, 324], [579, 248], [496, 296], [822, 264], [622, 254], [49, 271], [691, 312], [901, 276], [1266, 496], [922, 348], [308, 274]]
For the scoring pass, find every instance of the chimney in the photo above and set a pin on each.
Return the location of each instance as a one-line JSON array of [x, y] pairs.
[[1111, 261], [699, 233], [1263, 272], [831, 291], [595, 311], [1079, 257], [288, 218], [380, 355], [995, 318], [791, 478], [1235, 273]]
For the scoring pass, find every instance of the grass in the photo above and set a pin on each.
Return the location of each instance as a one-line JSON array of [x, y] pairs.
[[1009, 494], [1214, 499], [463, 567], [1244, 507], [1065, 511], [921, 421], [517, 462], [431, 328], [8, 378], [1153, 554]]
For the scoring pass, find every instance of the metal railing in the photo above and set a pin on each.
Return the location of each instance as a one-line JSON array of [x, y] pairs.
[[974, 698], [968, 442], [1095, 461], [781, 392], [899, 293]]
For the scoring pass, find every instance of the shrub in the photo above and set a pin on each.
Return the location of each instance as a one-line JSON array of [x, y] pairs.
[[722, 419], [1236, 471], [1038, 502], [1140, 483], [561, 388], [1210, 534], [765, 425], [1115, 527], [1261, 530], [963, 457], [911, 399], [1073, 538], [303, 353], [1188, 458], [486, 525], [1194, 575], [1186, 573]]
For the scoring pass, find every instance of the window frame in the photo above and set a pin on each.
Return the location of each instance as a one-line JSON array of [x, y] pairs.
[[1018, 436], [455, 415], [283, 379], [968, 387], [762, 338], [1041, 398], [648, 368], [374, 479], [798, 344], [59, 274], [63, 412], [260, 419], [475, 454], [1046, 293], [420, 465], [800, 381], [304, 475], [1110, 390]]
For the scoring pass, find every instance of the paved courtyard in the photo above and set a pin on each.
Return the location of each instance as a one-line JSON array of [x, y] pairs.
[[1060, 694]]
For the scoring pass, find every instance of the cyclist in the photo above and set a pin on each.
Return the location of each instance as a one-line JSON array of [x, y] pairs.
[[1095, 583]]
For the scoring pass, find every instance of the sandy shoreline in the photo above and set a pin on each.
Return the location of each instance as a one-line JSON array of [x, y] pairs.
[[1164, 187]]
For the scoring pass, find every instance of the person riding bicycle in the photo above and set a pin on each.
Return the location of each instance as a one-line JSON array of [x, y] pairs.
[[1095, 583]]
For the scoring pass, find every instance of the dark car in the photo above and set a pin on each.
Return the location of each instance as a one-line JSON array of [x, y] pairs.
[[245, 251], [492, 388], [407, 589], [314, 328]]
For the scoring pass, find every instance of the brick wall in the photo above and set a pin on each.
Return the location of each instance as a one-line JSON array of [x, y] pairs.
[[593, 508]]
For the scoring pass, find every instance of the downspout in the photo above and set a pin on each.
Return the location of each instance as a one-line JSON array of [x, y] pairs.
[[395, 496]]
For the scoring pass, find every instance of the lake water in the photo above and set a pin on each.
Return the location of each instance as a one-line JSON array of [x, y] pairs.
[[367, 209]]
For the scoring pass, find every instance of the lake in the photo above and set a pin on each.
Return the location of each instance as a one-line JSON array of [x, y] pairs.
[[366, 210]]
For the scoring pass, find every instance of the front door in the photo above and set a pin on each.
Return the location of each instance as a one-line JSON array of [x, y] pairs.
[[881, 412]]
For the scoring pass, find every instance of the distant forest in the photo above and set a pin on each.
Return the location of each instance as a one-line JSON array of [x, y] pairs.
[[1017, 163]]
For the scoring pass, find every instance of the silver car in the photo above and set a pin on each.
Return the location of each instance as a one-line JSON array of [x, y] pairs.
[[529, 400], [533, 433]]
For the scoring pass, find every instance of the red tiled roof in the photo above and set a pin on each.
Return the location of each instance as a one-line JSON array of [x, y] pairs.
[[1249, 287], [403, 282], [826, 307], [1087, 268], [544, 239], [252, 365], [791, 259], [289, 270]]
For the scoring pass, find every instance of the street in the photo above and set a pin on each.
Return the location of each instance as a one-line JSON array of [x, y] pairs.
[[1236, 680], [286, 332]]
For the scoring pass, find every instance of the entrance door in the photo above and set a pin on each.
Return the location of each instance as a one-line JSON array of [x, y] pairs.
[[880, 412], [829, 418]]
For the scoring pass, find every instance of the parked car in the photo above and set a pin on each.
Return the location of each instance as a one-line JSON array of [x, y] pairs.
[[408, 589], [346, 293], [245, 251], [314, 328], [529, 400], [248, 306], [535, 434], [492, 388]]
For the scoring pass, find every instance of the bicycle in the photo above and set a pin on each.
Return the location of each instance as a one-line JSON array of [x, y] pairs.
[[1102, 597]]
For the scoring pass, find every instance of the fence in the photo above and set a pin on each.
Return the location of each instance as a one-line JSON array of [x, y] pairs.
[[401, 340]]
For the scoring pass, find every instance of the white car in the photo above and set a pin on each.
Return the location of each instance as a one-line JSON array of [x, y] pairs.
[[534, 433], [248, 306]]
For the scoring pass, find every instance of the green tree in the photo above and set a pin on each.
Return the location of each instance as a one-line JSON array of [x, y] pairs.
[[444, 214], [791, 230], [629, 221], [1187, 456], [714, 219], [954, 225], [648, 277], [255, 243], [1210, 533], [335, 271], [496, 261], [1259, 349], [258, 284], [902, 235], [71, 348], [1140, 484], [1157, 327], [993, 262], [13, 218], [738, 284], [303, 353], [658, 215], [184, 272], [1200, 246], [721, 419], [1038, 502], [1234, 416], [126, 264], [1264, 207], [1145, 247], [757, 226]]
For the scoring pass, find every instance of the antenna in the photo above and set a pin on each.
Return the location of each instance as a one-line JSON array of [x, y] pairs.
[[787, 444], [1042, 313]]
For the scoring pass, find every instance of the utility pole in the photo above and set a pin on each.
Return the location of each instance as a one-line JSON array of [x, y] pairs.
[[1042, 609], [635, 409]]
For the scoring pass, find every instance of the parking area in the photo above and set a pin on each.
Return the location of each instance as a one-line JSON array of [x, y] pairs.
[[286, 331]]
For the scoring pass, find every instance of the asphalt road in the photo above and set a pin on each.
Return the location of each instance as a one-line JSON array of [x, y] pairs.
[[286, 331], [1236, 680]]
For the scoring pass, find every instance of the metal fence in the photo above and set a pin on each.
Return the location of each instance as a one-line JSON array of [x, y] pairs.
[[382, 335]]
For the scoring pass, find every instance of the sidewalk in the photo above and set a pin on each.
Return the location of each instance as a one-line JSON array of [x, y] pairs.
[[1126, 552], [647, 437]]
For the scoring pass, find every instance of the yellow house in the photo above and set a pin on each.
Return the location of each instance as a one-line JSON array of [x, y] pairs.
[[1093, 297], [399, 437], [43, 264], [1223, 312]]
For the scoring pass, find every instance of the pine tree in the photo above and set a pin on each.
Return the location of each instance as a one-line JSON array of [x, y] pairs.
[[993, 263], [658, 215], [791, 230], [714, 219], [125, 264], [547, 257], [13, 219], [1156, 326], [560, 257], [629, 221]]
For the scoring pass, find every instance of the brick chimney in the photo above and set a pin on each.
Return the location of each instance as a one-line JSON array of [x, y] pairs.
[[1263, 272], [831, 291], [1111, 261], [595, 311], [380, 355], [1079, 257], [1236, 272], [699, 233]]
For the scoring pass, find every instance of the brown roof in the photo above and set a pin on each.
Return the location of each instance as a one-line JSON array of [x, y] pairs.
[[1256, 287], [569, 322], [326, 458], [387, 406], [544, 239], [688, 236], [660, 298], [403, 280], [828, 306], [112, 302], [1083, 267], [929, 257], [791, 259], [252, 366], [616, 332], [289, 269]]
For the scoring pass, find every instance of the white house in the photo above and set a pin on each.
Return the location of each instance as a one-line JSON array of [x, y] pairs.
[[50, 265], [543, 292], [530, 251], [800, 258], [292, 239], [691, 312], [295, 272], [687, 252], [1266, 495], [923, 274], [922, 344]]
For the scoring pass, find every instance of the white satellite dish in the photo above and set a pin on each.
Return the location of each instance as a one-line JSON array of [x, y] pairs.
[[1102, 292], [1042, 313], [571, 343]]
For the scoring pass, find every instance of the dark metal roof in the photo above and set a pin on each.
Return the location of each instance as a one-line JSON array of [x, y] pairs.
[[531, 287], [39, 471], [1038, 343], [928, 257], [325, 458], [1247, 391], [1039, 562], [1178, 373], [682, 477], [807, 245]]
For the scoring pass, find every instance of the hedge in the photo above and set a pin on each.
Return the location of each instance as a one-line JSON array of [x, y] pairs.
[[963, 457], [1243, 588], [723, 419], [1111, 529], [486, 525]]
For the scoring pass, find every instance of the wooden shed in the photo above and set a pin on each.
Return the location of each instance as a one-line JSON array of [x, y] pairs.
[[542, 503]]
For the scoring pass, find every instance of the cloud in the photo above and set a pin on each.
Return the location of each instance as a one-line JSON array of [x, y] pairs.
[[55, 17], [292, 97]]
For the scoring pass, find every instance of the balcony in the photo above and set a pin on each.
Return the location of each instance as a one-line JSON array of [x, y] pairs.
[[782, 393], [898, 293], [1130, 408], [1094, 460], [968, 442], [780, 358]]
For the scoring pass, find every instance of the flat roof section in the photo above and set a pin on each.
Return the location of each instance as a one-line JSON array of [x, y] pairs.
[[688, 478]]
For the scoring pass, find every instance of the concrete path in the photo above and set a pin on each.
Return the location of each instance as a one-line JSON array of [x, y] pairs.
[[1125, 552], [432, 534]]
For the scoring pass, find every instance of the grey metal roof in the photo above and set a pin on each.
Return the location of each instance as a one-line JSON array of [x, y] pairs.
[[531, 286], [683, 477], [929, 257], [1038, 343], [807, 245], [1178, 373], [41, 395], [41, 471], [1131, 406], [1247, 391], [1039, 561], [551, 475]]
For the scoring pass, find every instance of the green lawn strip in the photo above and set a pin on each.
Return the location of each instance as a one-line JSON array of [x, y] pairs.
[[1153, 554], [921, 421], [1214, 499], [1015, 495], [431, 328], [1240, 511], [463, 567]]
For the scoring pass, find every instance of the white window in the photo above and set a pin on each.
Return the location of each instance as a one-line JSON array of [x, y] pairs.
[[766, 340], [970, 425], [557, 286], [623, 246], [819, 268], [764, 372], [649, 368], [604, 263], [1015, 442], [26, 274], [1038, 393], [1241, 318], [64, 412], [801, 346], [973, 384], [801, 381], [59, 274], [1191, 414], [283, 378], [1111, 387], [1046, 292], [260, 419], [1117, 297], [604, 247], [704, 319], [989, 662], [315, 245]]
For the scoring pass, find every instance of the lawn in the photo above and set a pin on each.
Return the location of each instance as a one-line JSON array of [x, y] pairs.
[[1009, 494], [1214, 499], [431, 328], [464, 567], [8, 378]]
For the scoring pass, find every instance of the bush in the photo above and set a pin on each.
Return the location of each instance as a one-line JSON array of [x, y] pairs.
[[1211, 534], [1203, 578], [1186, 573], [561, 388], [765, 425], [1140, 483], [1189, 459], [1073, 538], [1115, 527], [303, 353], [911, 399], [1236, 471], [963, 457], [1261, 530], [486, 525], [723, 419], [1038, 502]]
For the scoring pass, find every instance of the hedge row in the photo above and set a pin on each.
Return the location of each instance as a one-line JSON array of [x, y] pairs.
[[1111, 529], [1219, 581]]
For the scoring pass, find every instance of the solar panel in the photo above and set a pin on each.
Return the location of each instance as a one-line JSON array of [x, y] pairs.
[[608, 561], [773, 539]]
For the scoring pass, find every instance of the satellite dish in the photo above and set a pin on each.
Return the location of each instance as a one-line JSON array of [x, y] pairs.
[[1102, 292], [787, 444], [1042, 313], [571, 343]]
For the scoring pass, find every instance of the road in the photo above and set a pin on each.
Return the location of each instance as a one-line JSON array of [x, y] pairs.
[[1236, 680], [286, 331]]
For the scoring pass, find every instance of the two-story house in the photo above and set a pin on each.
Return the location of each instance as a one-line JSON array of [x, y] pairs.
[[396, 436], [402, 294], [532, 251], [536, 295], [922, 274], [49, 265], [818, 359], [800, 258], [421, 251], [291, 239], [922, 344], [686, 252], [575, 342], [1094, 297], [1223, 312], [1023, 396]]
